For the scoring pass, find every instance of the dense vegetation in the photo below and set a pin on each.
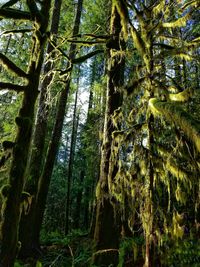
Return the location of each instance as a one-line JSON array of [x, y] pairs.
[[100, 133]]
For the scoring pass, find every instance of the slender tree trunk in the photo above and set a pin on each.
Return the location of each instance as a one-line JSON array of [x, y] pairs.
[[28, 246], [71, 160], [44, 180], [108, 223], [77, 214], [12, 201]]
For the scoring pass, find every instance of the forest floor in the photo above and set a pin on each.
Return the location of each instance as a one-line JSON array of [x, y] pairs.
[[76, 250]]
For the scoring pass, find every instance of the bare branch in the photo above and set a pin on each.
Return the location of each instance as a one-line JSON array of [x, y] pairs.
[[85, 57], [10, 3], [11, 66], [11, 13], [104, 37], [86, 43], [166, 46], [12, 86]]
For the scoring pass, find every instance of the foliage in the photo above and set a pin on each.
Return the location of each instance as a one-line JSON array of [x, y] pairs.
[[182, 253], [74, 250], [130, 250]]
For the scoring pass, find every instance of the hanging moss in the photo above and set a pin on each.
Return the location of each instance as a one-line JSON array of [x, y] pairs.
[[159, 8], [181, 22], [175, 170], [180, 195], [174, 113], [182, 55], [177, 230]]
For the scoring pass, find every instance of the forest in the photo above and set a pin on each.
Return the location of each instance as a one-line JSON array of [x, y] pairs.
[[99, 133]]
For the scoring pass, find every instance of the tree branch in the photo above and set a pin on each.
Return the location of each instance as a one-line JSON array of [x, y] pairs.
[[85, 57], [16, 31], [11, 86], [11, 13], [11, 66], [166, 46], [94, 36], [10, 3], [59, 49], [86, 43]]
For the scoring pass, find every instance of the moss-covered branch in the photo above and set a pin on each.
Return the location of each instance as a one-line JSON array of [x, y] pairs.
[[85, 57], [12, 86], [174, 113], [11, 13], [12, 67], [16, 31], [181, 22], [58, 49], [183, 96]]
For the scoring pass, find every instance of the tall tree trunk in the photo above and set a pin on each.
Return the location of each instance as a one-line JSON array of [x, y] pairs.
[[108, 223], [71, 160], [13, 198], [28, 247], [77, 213], [44, 180]]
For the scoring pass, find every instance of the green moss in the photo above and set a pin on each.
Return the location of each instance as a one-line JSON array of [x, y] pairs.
[[123, 13], [181, 22], [182, 96], [175, 114]]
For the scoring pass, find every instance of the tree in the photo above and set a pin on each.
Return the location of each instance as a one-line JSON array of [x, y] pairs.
[[13, 192], [150, 89], [75, 122], [26, 234], [45, 177], [107, 228]]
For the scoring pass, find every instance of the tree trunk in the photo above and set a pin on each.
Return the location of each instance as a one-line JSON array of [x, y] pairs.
[[71, 160], [28, 247], [44, 180], [108, 223], [77, 213], [12, 201]]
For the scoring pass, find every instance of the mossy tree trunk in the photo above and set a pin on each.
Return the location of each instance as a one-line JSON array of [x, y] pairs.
[[12, 200], [45, 177], [28, 246], [108, 223]]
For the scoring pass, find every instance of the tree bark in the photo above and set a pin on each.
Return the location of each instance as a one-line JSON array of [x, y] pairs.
[[44, 180], [77, 214], [71, 160], [28, 246], [12, 200], [108, 223]]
